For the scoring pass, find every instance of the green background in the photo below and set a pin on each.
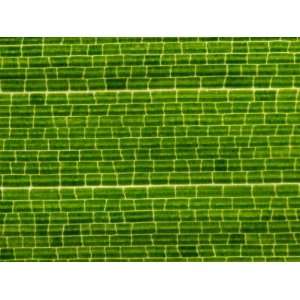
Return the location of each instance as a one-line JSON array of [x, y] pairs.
[[149, 149]]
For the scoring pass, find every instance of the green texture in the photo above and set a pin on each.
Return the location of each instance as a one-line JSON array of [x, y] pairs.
[[149, 149]]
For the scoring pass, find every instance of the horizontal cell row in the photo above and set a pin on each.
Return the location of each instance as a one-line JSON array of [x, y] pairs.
[[273, 208], [244, 240], [253, 109], [101, 40], [150, 71], [70, 212], [96, 60], [159, 166], [148, 132], [162, 178], [143, 223], [145, 192], [154, 166], [214, 96], [155, 253], [140, 83], [153, 240], [166, 154], [185, 145], [162, 120], [189, 209], [153, 47]]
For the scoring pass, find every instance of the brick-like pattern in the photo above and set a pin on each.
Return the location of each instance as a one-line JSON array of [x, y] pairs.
[[150, 149]]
